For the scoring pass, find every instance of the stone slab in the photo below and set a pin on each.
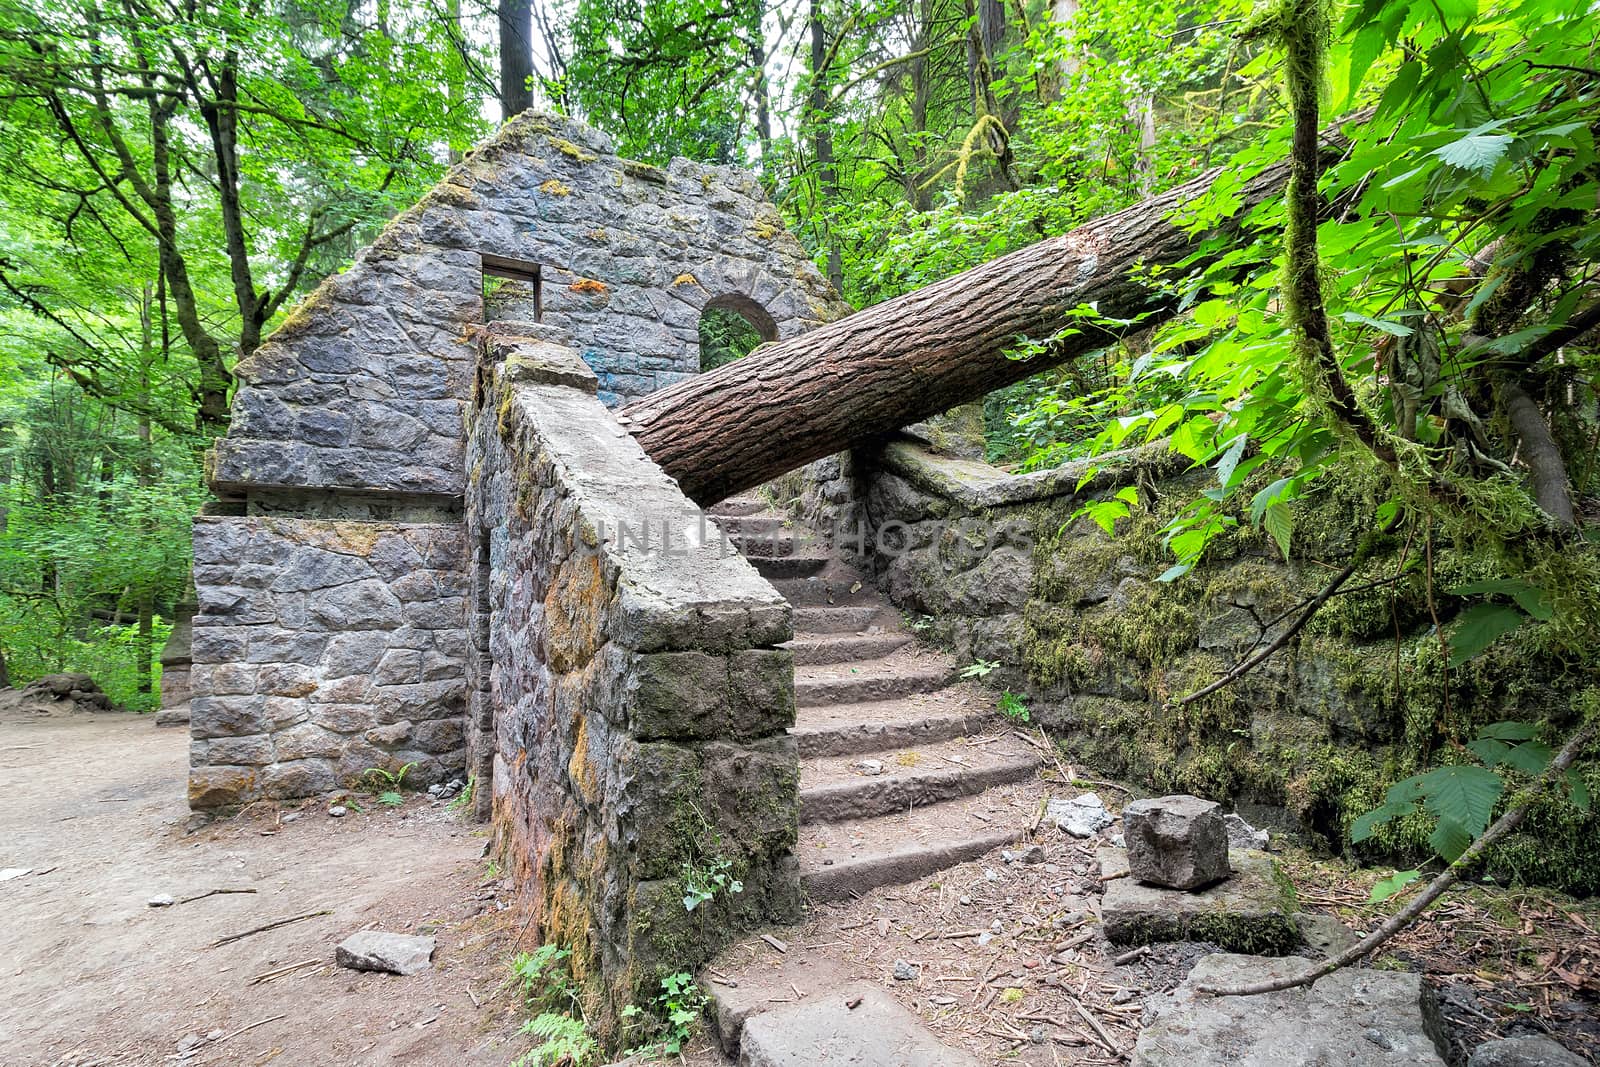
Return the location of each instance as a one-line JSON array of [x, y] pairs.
[[1528, 1051], [1249, 912], [877, 1032], [375, 950], [1354, 1018]]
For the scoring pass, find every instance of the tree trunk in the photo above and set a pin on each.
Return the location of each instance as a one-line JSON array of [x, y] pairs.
[[872, 372], [822, 138], [516, 56]]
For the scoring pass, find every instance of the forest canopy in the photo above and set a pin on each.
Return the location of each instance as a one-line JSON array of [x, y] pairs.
[[175, 177]]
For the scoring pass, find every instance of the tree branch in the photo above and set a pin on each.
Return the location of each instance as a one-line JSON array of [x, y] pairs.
[[1502, 828]]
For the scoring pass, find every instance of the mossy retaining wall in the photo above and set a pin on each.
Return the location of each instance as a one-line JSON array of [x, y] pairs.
[[1000, 569]]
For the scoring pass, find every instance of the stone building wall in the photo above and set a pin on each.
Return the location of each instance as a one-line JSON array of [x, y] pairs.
[[630, 715], [1005, 570], [363, 385], [321, 649]]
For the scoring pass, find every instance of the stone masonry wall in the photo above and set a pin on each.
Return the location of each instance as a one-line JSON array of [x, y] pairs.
[[363, 385], [1006, 571], [630, 714], [321, 649]]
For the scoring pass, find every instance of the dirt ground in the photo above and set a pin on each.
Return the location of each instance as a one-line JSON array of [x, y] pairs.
[[1005, 954], [93, 806]]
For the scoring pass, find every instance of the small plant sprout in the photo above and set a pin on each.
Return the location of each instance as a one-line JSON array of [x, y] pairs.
[[980, 668], [1013, 708], [702, 884]]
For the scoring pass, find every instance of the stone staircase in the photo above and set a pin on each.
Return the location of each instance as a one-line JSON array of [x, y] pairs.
[[895, 751]]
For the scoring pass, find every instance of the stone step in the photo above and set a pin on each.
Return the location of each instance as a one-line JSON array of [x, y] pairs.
[[837, 788], [852, 619], [823, 590], [846, 648], [858, 1025], [868, 680], [737, 506], [759, 524], [769, 544], [841, 860], [857, 729], [774, 568]]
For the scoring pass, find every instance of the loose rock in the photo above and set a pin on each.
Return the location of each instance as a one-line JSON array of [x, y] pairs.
[[375, 950], [338, 811], [1242, 835], [1031, 854], [161, 900], [1082, 816], [1179, 842], [1530, 1051], [906, 972]]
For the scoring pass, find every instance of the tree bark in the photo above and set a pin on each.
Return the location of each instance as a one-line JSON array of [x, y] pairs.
[[794, 401], [516, 56], [822, 138]]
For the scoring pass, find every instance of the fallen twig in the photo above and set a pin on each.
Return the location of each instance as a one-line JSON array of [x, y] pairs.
[[1094, 1024], [212, 893], [268, 926], [270, 976], [252, 1026]]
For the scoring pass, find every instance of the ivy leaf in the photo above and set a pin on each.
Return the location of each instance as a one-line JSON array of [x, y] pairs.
[[1476, 152], [1510, 731], [1479, 627], [1388, 887]]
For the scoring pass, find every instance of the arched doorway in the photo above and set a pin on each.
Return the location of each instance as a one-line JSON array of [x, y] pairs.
[[731, 326]]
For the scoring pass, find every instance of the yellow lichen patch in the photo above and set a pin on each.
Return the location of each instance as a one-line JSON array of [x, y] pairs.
[[572, 151], [597, 235], [686, 279], [580, 768], [554, 187], [572, 612], [764, 230], [588, 285]]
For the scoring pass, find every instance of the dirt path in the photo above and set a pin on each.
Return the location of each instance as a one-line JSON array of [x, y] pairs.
[[94, 805]]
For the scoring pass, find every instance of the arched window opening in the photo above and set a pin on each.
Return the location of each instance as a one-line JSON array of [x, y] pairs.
[[733, 326]]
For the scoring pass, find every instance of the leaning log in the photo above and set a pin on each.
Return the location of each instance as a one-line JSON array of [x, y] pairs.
[[930, 350]]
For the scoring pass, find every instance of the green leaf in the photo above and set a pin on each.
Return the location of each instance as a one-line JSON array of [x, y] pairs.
[[1388, 887], [1394, 329], [1577, 789], [1529, 597], [1462, 794], [1476, 152], [1510, 731], [1450, 839], [1230, 460], [1174, 572], [1279, 521], [1479, 627], [1367, 825]]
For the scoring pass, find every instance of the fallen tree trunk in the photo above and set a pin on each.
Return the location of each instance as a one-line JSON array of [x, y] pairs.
[[930, 350]]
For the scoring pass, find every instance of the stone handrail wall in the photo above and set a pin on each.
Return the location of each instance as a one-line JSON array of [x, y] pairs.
[[630, 704]]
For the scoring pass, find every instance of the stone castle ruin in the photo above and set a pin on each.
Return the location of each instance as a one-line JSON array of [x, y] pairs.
[[333, 578]]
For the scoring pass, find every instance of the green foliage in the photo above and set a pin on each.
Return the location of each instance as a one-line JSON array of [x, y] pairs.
[[702, 881], [675, 1014], [1461, 798], [1013, 708], [462, 803], [564, 1042], [545, 978], [980, 668]]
